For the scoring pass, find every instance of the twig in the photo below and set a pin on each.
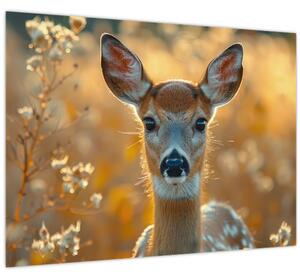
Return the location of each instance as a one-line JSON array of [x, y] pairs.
[[21, 192], [63, 79]]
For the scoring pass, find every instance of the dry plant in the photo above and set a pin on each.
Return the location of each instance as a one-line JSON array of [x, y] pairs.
[[283, 236], [51, 43]]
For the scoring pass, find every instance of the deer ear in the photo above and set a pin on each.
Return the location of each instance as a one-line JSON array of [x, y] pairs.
[[123, 71], [223, 76]]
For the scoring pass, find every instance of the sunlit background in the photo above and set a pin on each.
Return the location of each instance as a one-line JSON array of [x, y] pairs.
[[252, 159]]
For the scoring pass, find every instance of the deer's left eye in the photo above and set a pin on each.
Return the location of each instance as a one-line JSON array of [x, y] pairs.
[[149, 123], [200, 124]]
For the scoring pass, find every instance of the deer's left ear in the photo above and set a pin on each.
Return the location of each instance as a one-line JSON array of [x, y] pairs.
[[223, 76], [123, 71]]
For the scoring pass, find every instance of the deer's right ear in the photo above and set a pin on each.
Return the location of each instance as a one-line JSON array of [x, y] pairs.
[[123, 71], [223, 76]]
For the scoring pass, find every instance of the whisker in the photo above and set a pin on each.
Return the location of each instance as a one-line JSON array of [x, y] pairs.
[[133, 144], [128, 133], [214, 124], [142, 179], [217, 142]]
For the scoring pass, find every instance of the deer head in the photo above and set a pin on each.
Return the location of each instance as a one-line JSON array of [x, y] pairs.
[[175, 113]]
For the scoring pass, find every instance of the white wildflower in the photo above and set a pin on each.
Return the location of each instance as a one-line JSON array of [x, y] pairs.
[[34, 63], [48, 24], [43, 232], [87, 168], [37, 245], [77, 23], [32, 25], [26, 112], [76, 176], [56, 31], [67, 172], [283, 236], [64, 37], [55, 238], [96, 199], [66, 241], [44, 245], [56, 53], [68, 187], [69, 240], [83, 183], [58, 163], [39, 33]]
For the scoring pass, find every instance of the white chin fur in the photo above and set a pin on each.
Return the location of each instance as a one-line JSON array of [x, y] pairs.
[[173, 188], [175, 180]]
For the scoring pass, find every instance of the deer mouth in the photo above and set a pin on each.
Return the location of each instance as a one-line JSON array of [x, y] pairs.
[[175, 180]]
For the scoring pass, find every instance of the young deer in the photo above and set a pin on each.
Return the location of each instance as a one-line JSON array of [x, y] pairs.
[[175, 115]]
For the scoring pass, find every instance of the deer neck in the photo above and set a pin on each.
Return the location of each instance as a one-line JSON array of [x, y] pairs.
[[177, 220]]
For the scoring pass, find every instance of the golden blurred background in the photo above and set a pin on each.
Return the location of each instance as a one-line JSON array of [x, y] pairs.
[[252, 159]]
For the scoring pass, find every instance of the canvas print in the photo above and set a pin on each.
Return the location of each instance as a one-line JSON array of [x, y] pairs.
[[129, 139]]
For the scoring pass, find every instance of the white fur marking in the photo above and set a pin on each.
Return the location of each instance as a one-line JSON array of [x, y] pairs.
[[188, 189], [245, 242], [141, 244], [233, 230], [226, 229]]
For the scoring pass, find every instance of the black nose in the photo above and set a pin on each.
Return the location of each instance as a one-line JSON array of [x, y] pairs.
[[174, 165]]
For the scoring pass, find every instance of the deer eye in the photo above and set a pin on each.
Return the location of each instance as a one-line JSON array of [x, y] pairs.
[[149, 123], [201, 124]]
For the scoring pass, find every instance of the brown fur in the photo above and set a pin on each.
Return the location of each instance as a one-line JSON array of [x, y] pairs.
[[177, 227], [153, 163], [175, 97]]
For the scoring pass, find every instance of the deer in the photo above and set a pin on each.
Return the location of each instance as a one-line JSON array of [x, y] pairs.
[[175, 115]]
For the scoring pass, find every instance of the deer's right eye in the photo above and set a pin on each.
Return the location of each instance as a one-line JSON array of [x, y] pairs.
[[149, 123], [200, 124]]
